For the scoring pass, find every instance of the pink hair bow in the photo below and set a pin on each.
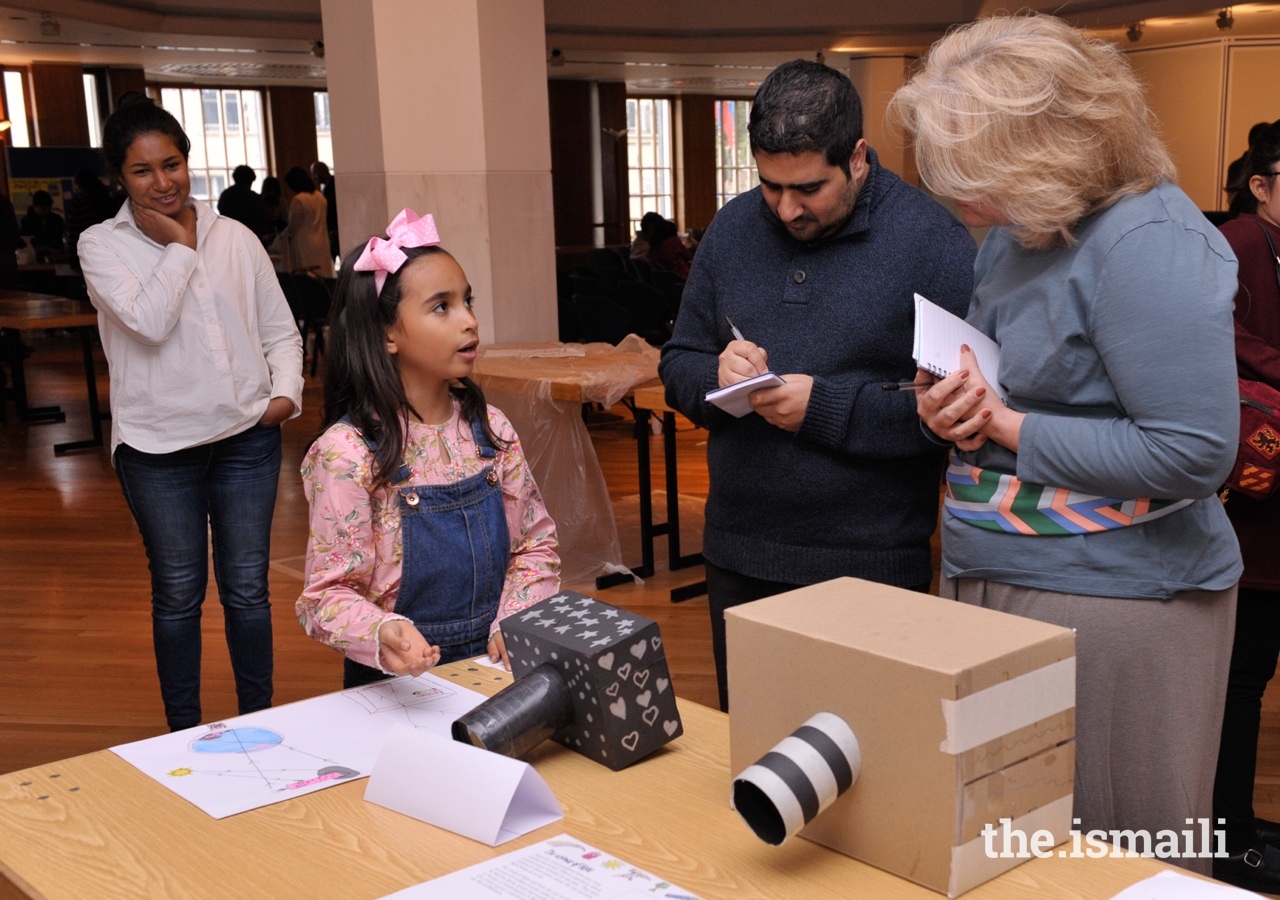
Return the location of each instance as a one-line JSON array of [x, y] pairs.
[[383, 257]]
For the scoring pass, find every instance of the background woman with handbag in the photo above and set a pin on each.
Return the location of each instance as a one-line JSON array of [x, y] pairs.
[[1254, 236]]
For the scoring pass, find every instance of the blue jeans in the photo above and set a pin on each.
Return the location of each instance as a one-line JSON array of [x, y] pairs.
[[226, 489]]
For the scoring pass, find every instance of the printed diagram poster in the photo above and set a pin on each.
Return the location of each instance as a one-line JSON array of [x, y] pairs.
[[277, 754], [562, 868]]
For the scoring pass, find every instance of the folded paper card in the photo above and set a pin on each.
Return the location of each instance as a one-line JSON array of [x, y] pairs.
[[466, 790], [733, 398]]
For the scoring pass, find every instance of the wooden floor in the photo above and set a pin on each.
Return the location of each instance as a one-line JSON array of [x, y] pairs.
[[76, 667]]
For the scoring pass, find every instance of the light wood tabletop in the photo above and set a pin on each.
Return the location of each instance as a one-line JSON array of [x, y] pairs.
[[93, 826]]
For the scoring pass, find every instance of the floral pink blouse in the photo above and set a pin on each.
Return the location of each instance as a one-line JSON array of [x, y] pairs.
[[354, 549]]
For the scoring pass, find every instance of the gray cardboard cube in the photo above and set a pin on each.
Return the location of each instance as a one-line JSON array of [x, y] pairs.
[[615, 666]]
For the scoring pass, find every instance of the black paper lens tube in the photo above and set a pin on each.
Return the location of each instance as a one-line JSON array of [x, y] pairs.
[[519, 717], [793, 783]]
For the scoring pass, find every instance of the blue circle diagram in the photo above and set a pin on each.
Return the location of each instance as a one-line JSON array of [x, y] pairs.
[[236, 740]]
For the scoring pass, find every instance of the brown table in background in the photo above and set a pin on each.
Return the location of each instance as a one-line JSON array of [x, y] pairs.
[[573, 381], [94, 826], [28, 311]]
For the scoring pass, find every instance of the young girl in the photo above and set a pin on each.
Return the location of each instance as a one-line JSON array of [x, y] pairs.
[[426, 525]]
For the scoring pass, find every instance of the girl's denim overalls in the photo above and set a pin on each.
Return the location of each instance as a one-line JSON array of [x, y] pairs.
[[456, 549]]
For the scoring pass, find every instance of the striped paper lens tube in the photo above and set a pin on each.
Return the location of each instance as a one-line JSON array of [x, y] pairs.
[[790, 785]]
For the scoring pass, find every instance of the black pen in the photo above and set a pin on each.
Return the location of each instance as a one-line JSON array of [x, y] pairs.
[[906, 385]]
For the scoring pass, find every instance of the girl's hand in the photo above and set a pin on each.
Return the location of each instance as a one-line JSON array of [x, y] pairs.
[[741, 360], [404, 650], [498, 650], [166, 230], [278, 409]]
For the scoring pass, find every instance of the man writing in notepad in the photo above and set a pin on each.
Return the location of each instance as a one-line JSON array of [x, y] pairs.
[[817, 268]]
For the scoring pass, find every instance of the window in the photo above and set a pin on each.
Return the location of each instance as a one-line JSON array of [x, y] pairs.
[[226, 130], [15, 101], [91, 109], [649, 158], [324, 134], [735, 168]]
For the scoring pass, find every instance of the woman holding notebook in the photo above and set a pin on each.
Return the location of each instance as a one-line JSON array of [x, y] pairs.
[[1089, 499]]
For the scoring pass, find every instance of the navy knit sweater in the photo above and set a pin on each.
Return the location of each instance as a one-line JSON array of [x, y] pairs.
[[855, 491]]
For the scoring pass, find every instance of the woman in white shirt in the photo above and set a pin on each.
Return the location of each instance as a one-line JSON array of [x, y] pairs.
[[206, 362]]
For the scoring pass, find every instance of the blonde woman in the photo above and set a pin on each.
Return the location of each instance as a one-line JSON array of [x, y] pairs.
[[1088, 500]]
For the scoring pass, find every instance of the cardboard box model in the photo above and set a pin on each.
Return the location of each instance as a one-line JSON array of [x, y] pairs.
[[620, 705], [964, 716]]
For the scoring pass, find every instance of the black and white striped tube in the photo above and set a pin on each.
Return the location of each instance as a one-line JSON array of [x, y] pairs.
[[790, 785]]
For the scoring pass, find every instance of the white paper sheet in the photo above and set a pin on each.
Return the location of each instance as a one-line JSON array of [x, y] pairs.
[[276, 754], [1176, 886], [562, 868], [467, 790]]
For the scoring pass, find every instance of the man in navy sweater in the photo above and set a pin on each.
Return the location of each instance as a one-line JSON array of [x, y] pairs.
[[830, 475]]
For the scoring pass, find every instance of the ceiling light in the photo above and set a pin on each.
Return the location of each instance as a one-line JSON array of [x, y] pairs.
[[1225, 19], [49, 26], [1134, 34]]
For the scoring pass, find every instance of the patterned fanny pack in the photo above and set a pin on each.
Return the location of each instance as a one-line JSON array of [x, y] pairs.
[[1000, 502]]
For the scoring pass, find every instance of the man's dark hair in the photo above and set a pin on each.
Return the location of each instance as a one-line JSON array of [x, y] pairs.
[[244, 175], [806, 106]]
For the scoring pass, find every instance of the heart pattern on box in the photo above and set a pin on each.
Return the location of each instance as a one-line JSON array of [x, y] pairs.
[[606, 661], [612, 690], [637, 649], [662, 684], [643, 699], [670, 726], [630, 740], [656, 641], [649, 715], [624, 671], [641, 678], [619, 708]]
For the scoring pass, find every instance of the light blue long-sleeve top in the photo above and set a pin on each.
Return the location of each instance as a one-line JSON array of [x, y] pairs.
[[1120, 350]]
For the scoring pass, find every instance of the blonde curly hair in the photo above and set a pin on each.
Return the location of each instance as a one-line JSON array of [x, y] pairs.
[[1036, 119]]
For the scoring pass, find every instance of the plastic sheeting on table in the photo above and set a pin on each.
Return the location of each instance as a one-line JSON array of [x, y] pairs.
[[543, 396]]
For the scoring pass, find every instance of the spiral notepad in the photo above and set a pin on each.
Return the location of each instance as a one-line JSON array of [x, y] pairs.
[[939, 335]]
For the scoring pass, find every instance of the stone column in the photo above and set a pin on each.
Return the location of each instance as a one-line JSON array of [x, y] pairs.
[[441, 106]]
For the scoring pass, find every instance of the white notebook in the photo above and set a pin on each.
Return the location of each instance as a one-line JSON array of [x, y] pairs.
[[939, 335], [733, 399]]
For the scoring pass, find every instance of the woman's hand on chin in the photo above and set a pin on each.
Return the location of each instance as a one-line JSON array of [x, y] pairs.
[[166, 230]]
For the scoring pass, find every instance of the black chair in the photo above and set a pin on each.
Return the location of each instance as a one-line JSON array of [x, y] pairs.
[[643, 270], [601, 319], [648, 308], [309, 299], [672, 287], [608, 264]]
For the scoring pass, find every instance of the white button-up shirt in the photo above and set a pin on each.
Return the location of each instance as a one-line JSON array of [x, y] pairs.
[[197, 341]]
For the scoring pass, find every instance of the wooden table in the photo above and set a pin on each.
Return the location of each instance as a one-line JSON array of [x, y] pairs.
[[543, 397], [28, 311], [93, 826]]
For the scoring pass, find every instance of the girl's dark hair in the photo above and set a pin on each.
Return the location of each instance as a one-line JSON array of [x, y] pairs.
[[1264, 152], [299, 181], [137, 115], [361, 381]]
